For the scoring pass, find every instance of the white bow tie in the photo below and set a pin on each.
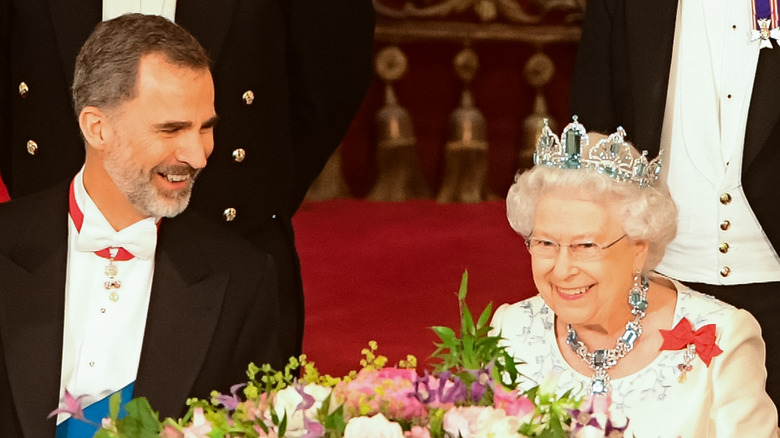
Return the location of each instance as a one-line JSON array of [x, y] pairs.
[[139, 239]]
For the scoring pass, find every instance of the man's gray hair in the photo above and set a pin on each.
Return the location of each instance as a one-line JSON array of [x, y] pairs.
[[107, 64]]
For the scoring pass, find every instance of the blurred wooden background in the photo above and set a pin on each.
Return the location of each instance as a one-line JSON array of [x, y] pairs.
[[460, 90]]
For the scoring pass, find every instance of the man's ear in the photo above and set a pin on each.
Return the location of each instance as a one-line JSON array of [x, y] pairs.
[[96, 127]]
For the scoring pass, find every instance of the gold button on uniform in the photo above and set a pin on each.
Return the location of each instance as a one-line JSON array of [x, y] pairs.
[[24, 90], [725, 271], [723, 248], [32, 147], [239, 155], [725, 199], [725, 225], [248, 97], [229, 214]]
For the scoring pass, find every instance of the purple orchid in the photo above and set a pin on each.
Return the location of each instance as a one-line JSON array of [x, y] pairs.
[[231, 402], [308, 399], [456, 392], [611, 431], [425, 395], [583, 417], [483, 380], [72, 406], [313, 429], [477, 391]]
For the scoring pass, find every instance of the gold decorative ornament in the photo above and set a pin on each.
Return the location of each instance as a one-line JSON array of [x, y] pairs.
[[485, 10], [32, 148], [229, 214], [466, 153], [24, 90], [538, 72], [248, 97], [399, 175], [239, 155]]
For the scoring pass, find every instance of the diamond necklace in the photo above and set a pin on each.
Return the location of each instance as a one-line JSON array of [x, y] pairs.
[[602, 360]]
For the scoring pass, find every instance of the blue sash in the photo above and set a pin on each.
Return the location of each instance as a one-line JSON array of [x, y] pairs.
[[96, 412]]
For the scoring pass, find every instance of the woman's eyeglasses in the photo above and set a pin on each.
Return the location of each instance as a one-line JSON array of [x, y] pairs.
[[583, 251]]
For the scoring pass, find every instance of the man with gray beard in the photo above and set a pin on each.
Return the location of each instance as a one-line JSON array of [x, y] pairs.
[[98, 293]]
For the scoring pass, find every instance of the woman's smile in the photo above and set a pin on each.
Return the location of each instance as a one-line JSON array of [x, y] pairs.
[[573, 293]]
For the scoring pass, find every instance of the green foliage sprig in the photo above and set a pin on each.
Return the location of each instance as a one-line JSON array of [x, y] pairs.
[[475, 349]]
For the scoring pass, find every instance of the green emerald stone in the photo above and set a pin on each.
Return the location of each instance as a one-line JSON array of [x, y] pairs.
[[636, 300]]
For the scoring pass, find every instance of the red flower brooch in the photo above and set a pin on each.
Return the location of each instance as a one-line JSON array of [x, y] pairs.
[[699, 342]]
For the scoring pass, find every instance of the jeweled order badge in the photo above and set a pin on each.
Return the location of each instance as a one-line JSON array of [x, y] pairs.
[[765, 22]]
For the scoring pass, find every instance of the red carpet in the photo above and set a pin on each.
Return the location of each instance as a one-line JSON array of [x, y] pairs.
[[389, 271]]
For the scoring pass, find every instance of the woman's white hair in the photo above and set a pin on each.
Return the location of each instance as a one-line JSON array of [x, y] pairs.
[[645, 213]]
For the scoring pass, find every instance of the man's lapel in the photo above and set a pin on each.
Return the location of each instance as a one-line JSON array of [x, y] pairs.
[[32, 313], [184, 310], [764, 112], [650, 27]]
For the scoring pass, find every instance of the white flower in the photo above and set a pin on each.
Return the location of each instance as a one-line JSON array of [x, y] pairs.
[[287, 400], [480, 422], [320, 394], [373, 427], [495, 423], [550, 383]]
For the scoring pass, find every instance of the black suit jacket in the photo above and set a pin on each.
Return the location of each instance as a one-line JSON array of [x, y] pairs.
[[308, 63], [621, 77], [213, 309]]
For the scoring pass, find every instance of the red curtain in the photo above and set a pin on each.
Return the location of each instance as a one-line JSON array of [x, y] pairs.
[[389, 271]]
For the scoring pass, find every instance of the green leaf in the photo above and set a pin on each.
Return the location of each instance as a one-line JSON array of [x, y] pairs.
[[464, 286], [113, 405], [141, 421], [446, 334], [335, 423], [467, 322], [283, 425], [483, 319], [469, 360]]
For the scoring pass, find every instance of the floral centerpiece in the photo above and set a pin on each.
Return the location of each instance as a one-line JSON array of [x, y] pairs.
[[472, 392]]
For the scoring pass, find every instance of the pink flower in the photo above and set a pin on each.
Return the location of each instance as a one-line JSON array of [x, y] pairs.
[[396, 374], [512, 402], [70, 405], [418, 432], [373, 427], [389, 391], [462, 421], [594, 419], [257, 409], [200, 427], [171, 432]]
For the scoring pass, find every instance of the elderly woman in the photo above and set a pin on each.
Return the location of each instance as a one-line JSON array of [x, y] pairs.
[[674, 361]]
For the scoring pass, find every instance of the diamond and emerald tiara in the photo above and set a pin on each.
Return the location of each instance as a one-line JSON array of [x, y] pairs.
[[611, 156]]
